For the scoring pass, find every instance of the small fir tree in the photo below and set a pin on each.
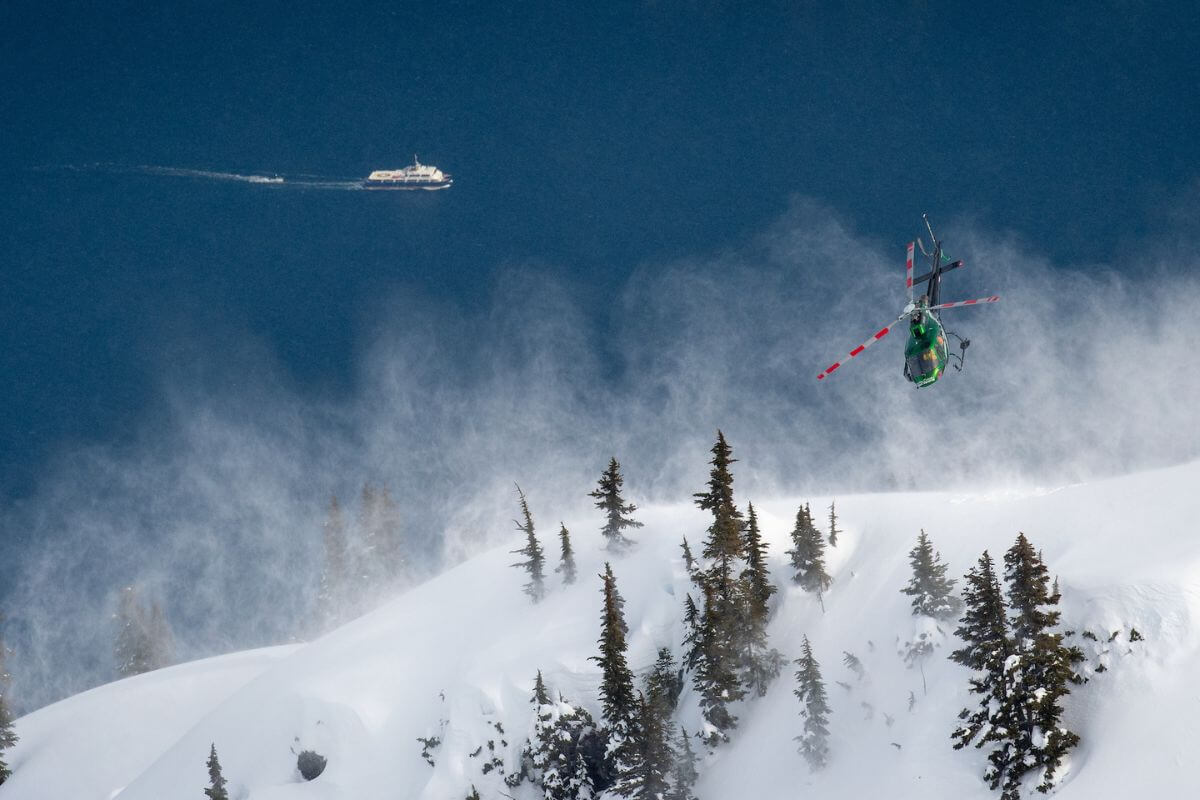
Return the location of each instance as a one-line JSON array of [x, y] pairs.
[[8, 733], [689, 562], [931, 591], [833, 528], [535, 561], [684, 772], [653, 774], [810, 689], [694, 636], [808, 554], [665, 683], [760, 663], [617, 512], [566, 563], [216, 781], [553, 756]]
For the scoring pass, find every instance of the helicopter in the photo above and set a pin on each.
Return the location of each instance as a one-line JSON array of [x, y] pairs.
[[925, 353]]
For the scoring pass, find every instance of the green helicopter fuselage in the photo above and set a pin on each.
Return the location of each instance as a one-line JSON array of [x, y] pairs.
[[925, 352]]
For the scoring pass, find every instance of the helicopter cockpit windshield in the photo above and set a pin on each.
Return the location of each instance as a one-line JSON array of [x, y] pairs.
[[922, 363]]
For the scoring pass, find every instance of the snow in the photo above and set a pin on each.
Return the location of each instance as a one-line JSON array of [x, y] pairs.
[[456, 658]]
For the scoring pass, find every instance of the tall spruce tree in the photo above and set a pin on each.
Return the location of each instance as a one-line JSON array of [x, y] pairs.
[[332, 594], [620, 705], [655, 731], [616, 511], [8, 733], [833, 528], [725, 608], [931, 590], [566, 564], [535, 561], [808, 554], [984, 631], [760, 663], [216, 781], [1038, 678], [664, 683], [810, 689]]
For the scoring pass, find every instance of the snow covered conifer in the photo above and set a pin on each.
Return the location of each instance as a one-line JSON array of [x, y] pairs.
[[535, 563], [8, 735], [683, 774], [567, 558], [689, 561], [655, 730], [1038, 671], [810, 689], [694, 637], [725, 607], [808, 554], [553, 756], [616, 510], [931, 591], [664, 683], [833, 528], [984, 631], [216, 788], [621, 710], [760, 663]]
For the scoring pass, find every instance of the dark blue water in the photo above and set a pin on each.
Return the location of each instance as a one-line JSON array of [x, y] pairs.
[[586, 141]]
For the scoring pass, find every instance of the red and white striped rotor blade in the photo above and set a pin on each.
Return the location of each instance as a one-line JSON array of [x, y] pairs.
[[980, 301], [856, 351], [908, 269]]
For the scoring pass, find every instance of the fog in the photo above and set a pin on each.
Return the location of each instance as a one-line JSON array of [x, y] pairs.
[[216, 508]]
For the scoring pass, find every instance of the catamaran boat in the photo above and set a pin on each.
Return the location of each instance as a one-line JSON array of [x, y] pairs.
[[417, 176]]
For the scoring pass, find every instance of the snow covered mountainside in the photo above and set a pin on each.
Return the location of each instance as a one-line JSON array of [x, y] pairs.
[[455, 659]]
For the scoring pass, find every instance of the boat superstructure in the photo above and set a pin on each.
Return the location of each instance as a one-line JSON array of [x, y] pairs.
[[416, 176]]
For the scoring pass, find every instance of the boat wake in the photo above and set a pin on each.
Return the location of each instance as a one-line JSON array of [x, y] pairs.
[[300, 182]]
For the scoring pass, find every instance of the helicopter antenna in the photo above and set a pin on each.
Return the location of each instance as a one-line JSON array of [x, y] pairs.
[[929, 228]]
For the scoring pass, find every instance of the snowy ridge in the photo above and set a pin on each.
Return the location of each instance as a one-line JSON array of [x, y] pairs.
[[456, 657]]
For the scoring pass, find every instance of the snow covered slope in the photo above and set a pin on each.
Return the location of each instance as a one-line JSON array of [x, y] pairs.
[[456, 657]]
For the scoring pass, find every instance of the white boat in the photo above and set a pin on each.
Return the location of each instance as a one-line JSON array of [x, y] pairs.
[[417, 176]]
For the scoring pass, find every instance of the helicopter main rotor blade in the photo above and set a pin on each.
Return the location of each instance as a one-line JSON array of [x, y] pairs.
[[879, 335], [993, 299], [908, 269]]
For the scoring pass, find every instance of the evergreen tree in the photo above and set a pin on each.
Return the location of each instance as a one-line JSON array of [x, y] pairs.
[[810, 689], [693, 639], [725, 609], [536, 588], [683, 774], [332, 595], [1037, 678], [760, 663], [620, 706], [216, 789], [665, 683], [931, 591], [833, 528], [143, 640], [689, 562], [984, 631], [567, 559], [553, 757], [808, 554], [616, 510], [655, 731], [8, 734]]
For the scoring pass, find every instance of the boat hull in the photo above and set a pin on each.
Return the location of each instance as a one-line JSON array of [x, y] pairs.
[[405, 186]]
